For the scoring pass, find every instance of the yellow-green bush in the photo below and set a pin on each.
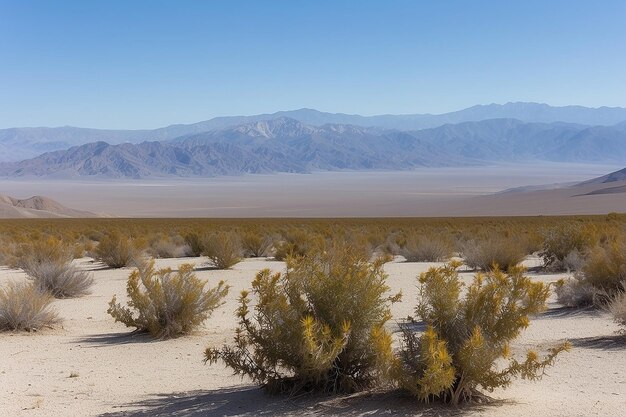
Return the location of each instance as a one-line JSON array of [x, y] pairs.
[[425, 249], [605, 268], [167, 303], [223, 249], [116, 251], [256, 245], [617, 306], [560, 241], [23, 307], [493, 251], [466, 336], [317, 327]]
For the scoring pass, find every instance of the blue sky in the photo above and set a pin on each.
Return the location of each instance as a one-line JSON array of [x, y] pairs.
[[145, 64]]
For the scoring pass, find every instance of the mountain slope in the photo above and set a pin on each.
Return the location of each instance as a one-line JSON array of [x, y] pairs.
[[36, 207], [21, 143], [286, 145]]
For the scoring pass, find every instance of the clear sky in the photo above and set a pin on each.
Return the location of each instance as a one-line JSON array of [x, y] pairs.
[[146, 64]]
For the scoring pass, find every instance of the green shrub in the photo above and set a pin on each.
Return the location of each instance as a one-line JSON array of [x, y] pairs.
[[23, 307], [317, 327], [168, 303], [115, 251], [223, 249], [493, 251], [466, 337]]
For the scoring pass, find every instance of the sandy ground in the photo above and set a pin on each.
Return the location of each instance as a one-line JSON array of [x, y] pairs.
[[120, 374], [420, 192]]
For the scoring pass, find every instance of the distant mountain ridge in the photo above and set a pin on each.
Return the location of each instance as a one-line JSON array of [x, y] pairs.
[[21, 143], [287, 145]]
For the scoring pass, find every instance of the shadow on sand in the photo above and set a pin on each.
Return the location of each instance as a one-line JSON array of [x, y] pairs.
[[125, 338], [613, 342], [252, 401], [569, 312]]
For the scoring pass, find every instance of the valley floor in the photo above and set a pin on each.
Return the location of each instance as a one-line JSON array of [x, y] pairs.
[[462, 191], [92, 366]]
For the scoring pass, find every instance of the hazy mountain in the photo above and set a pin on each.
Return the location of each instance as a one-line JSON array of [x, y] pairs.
[[612, 177], [20, 143], [36, 206], [287, 145]]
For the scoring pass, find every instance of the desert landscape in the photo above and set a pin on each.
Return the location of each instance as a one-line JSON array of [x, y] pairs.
[[327, 208]]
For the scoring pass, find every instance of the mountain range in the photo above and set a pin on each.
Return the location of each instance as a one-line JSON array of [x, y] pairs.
[[315, 141]]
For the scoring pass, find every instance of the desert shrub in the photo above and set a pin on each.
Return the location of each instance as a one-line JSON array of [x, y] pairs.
[[423, 249], [50, 250], [617, 306], [493, 251], [60, 279], [605, 268], [194, 241], [576, 292], [256, 245], [317, 327], [23, 307], [167, 303], [223, 249], [466, 337], [574, 261], [295, 243], [115, 251], [559, 242], [168, 247]]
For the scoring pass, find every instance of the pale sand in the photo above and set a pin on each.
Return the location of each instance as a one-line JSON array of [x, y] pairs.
[[127, 374], [421, 192]]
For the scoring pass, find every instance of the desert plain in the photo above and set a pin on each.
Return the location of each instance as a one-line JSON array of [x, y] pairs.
[[91, 366]]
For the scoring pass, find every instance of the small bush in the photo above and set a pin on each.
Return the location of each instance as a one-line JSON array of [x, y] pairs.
[[419, 249], [194, 241], [60, 279], [168, 247], [605, 268], [318, 327], [559, 242], [115, 251], [493, 251], [223, 249], [465, 337], [23, 307], [168, 304], [43, 251], [576, 292], [256, 245], [617, 306]]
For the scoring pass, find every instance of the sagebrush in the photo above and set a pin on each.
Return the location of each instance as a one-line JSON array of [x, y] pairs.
[[167, 303], [466, 336], [317, 327], [23, 307]]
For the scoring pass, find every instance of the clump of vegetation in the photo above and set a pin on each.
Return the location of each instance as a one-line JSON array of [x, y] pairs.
[[168, 247], [167, 303], [493, 252], [23, 307], [48, 264], [605, 268], [317, 327], [61, 280], [116, 251], [575, 292], [194, 242], [423, 249], [295, 243], [256, 245], [223, 249], [465, 337], [560, 242], [617, 306]]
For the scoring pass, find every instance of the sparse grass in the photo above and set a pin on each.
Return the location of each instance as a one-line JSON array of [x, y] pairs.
[[24, 308], [167, 303]]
